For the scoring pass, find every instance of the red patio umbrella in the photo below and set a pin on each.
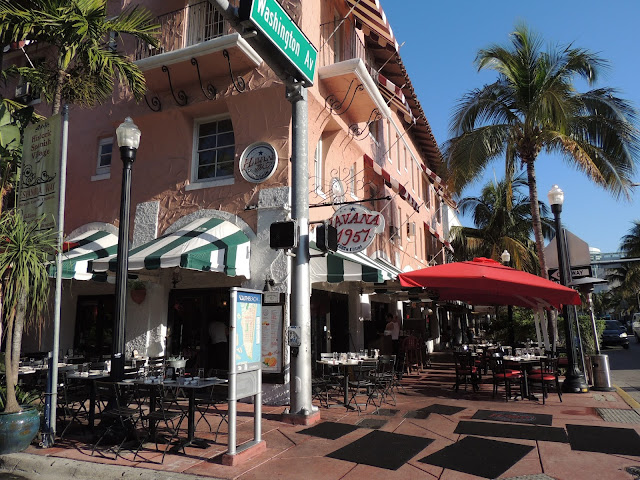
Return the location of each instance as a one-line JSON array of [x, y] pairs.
[[486, 282]]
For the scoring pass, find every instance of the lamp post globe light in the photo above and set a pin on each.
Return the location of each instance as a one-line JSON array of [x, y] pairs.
[[574, 380], [506, 257], [128, 135]]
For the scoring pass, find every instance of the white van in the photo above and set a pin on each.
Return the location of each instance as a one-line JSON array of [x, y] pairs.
[[635, 324]]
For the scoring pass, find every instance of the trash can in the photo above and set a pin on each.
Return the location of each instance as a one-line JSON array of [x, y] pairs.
[[601, 376]]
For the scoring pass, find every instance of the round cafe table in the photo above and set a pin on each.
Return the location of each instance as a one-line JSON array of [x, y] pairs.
[[343, 365], [525, 363]]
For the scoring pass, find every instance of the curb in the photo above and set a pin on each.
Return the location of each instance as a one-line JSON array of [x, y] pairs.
[[628, 399], [47, 467]]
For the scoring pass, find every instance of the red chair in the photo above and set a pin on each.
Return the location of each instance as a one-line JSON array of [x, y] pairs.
[[466, 370], [546, 376], [504, 376]]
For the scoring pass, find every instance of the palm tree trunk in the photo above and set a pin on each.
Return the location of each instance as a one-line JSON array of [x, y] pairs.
[[57, 96], [11, 404], [535, 216]]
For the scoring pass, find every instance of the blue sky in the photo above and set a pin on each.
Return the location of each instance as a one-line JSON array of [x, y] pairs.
[[441, 42]]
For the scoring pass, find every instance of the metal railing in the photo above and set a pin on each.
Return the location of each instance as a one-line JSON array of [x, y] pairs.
[[339, 42], [182, 28]]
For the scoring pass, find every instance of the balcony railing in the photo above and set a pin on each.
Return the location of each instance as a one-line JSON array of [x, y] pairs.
[[188, 26], [339, 42]]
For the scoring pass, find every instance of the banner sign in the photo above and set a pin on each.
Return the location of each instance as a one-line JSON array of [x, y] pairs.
[[38, 192], [357, 227]]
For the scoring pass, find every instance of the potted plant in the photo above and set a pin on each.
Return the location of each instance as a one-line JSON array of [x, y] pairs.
[[24, 252], [138, 291]]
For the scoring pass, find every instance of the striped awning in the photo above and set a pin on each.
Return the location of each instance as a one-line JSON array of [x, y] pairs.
[[345, 267], [206, 244], [80, 250], [391, 182], [394, 96], [374, 22], [438, 237]]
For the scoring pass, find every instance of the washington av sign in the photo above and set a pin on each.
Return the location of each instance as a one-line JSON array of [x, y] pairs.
[[357, 227], [276, 24]]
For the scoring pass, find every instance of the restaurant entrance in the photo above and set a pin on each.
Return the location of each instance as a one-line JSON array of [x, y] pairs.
[[189, 316], [94, 326]]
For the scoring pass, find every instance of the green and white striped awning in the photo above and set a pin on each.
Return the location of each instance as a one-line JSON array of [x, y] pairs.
[[345, 267], [80, 250], [206, 244]]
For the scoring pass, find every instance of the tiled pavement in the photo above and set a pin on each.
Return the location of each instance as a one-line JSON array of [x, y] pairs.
[[292, 455]]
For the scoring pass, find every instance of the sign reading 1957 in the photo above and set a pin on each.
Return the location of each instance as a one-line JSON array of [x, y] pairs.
[[277, 26]]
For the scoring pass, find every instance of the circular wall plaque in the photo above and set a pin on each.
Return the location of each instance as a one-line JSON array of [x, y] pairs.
[[357, 227], [258, 162]]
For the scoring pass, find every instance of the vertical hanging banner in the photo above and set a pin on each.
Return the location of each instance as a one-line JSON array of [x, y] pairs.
[[39, 191]]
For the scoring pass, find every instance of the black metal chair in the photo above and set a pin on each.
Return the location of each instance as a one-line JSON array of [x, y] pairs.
[[210, 398], [118, 422], [362, 383], [466, 370], [384, 376], [166, 417], [72, 401], [504, 376]]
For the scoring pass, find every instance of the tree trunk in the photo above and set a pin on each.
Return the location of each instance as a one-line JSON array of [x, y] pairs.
[[57, 96], [535, 216], [15, 326]]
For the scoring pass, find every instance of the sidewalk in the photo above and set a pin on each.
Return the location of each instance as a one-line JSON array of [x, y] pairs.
[[406, 430]]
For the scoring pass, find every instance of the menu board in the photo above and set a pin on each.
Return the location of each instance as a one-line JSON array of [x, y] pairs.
[[272, 338]]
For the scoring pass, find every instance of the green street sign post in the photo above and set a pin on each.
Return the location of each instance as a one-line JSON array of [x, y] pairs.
[[276, 24]]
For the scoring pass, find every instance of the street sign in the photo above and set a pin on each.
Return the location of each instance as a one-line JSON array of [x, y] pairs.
[[576, 272], [276, 24]]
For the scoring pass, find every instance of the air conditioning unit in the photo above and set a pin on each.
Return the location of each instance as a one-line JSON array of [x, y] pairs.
[[23, 90], [411, 229]]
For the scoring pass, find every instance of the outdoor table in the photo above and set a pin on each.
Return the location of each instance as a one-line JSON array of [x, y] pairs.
[[189, 387], [525, 362], [90, 377], [343, 365]]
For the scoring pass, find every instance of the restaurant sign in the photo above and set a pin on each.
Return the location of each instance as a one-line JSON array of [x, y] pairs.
[[357, 227], [258, 162]]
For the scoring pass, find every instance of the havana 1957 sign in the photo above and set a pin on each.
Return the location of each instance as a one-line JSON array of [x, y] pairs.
[[357, 227], [258, 162]]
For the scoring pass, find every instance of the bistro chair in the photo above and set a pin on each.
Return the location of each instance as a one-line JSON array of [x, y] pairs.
[[362, 384], [210, 398], [121, 422], [383, 380], [72, 401], [546, 376], [504, 376], [156, 366], [398, 374], [165, 419], [466, 370]]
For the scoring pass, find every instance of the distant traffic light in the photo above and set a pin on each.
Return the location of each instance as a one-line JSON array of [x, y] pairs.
[[283, 235], [327, 237]]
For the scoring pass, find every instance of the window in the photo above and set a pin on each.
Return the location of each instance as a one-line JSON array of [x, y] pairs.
[[398, 152], [426, 193], [105, 149], [373, 130], [337, 37], [406, 159], [413, 178], [215, 150], [318, 163], [438, 205], [419, 242]]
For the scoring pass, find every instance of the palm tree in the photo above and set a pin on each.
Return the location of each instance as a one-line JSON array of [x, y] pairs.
[[533, 106], [84, 44], [630, 244], [24, 251], [502, 219]]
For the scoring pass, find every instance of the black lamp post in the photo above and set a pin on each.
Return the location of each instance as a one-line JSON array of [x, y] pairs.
[[128, 135], [506, 260], [574, 380]]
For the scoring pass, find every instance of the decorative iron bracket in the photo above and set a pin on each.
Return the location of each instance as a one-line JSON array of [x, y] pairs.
[[155, 104], [358, 133], [210, 91], [336, 107], [181, 99], [238, 84]]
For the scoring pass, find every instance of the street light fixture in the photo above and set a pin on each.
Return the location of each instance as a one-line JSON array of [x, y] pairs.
[[574, 380], [506, 260], [128, 135]]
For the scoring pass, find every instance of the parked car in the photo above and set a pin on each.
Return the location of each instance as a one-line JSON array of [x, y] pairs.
[[635, 325], [615, 334]]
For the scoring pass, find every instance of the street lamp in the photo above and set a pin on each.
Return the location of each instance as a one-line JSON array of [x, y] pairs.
[[574, 380], [128, 135], [506, 260]]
